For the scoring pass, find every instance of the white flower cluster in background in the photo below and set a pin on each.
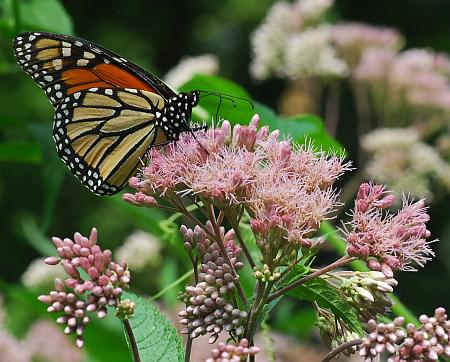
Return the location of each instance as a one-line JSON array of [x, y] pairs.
[[400, 159], [140, 250], [293, 41], [312, 10], [310, 54], [270, 40], [39, 274], [189, 66]]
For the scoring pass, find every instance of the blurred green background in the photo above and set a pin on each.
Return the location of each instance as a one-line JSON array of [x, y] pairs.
[[39, 198]]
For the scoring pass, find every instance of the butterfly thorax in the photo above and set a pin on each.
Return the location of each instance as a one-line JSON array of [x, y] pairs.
[[176, 115]]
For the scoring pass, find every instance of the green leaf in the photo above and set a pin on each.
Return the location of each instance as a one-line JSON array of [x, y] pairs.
[[318, 290], [36, 238], [294, 319], [144, 217], [8, 17], [298, 272], [156, 337], [48, 15], [302, 128], [265, 311], [20, 152], [52, 172], [169, 273], [232, 109]]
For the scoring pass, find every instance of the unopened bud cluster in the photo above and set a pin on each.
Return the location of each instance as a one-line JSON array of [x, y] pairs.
[[265, 274], [367, 292], [125, 309], [76, 297], [233, 353], [209, 308], [409, 343]]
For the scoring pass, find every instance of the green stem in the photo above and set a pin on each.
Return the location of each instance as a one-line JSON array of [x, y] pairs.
[[338, 263], [332, 236], [187, 354], [131, 341], [16, 15], [260, 301], [235, 225], [171, 285], [218, 238], [344, 346]]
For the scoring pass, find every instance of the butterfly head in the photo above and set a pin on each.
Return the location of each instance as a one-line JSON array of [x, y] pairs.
[[176, 115]]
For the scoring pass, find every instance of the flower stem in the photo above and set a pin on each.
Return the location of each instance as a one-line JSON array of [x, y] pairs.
[[131, 341], [235, 226], [338, 263], [187, 353], [171, 285], [260, 300], [341, 348], [219, 241]]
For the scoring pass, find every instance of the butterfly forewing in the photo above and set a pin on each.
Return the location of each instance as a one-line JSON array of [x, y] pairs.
[[102, 134], [63, 65]]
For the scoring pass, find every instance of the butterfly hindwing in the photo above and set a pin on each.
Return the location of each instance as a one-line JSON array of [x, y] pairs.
[[102, 134], [63, 65]]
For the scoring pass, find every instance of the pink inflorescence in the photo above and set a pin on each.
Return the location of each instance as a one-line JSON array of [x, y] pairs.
[[388, 241], [232, 352], [409, 344], [103, 287], [209, 306], [286, 189]]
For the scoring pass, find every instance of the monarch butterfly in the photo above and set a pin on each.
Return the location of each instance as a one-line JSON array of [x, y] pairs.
[[108, 111]]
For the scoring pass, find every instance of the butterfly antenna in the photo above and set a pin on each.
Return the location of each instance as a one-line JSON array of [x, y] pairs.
[[228, 97], [218, 109]]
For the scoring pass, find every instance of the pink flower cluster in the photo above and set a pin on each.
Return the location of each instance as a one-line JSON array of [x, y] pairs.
[[409, 343], [103, 288], [388, 241], [353, 39], [416, 80], [286, 189], [233, 353]]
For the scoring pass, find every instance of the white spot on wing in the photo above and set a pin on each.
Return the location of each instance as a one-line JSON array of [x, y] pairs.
[[82, 62], [88, 55], [57, 63]]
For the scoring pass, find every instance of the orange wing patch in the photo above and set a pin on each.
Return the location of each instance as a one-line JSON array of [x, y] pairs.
[[120, 77], [101, 76], [62, 66]]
